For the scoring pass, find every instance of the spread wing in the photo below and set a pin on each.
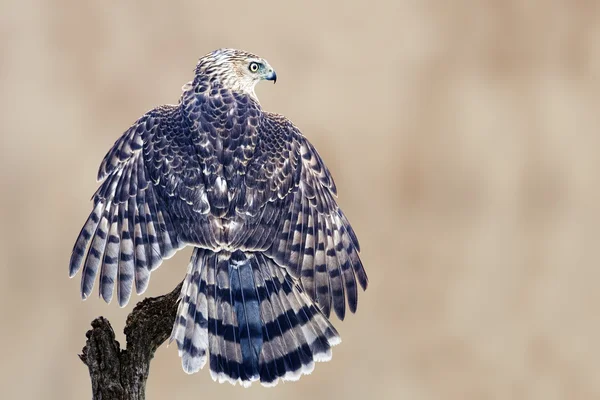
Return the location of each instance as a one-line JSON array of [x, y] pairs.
[[132, 227], [313, 238]]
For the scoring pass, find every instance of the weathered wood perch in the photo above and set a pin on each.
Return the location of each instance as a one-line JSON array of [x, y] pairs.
[[122, 374]]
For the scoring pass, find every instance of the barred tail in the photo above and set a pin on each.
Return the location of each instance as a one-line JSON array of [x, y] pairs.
[[251, 318]]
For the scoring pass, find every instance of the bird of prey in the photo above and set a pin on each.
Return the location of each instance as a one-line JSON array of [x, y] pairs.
[[273, 252]]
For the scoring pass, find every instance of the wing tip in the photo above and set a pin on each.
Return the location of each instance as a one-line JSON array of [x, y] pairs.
[[73, 270]]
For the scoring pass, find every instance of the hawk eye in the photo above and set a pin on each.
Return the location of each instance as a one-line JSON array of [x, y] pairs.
[[253, 67]]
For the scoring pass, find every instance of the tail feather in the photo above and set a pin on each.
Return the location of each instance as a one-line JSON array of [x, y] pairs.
[[215, 324], [273, 345], [246, 307], [194, 319], [283, 326], [225, 360], [257, 324], [230, 346], [316, 335]]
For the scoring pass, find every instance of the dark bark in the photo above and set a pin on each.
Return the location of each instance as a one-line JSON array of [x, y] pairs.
[[122, 374]]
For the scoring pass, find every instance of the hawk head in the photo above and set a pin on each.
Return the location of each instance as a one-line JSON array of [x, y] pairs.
[[237, 70]]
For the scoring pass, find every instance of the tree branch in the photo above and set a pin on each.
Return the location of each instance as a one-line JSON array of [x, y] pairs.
[[122, 374]]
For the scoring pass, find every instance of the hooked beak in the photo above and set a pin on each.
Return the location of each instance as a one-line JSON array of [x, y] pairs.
[[271, 76]]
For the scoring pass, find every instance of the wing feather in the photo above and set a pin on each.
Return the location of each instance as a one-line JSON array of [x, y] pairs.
[[313, 239], [138, 206], [110, 261]]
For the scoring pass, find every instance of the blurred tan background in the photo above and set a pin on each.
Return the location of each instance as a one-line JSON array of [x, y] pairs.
[[464, 140]]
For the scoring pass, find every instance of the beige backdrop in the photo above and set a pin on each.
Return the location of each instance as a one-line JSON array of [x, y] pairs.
[[464, 140]]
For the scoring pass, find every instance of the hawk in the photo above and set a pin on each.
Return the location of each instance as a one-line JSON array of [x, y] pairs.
[[273, 252]]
